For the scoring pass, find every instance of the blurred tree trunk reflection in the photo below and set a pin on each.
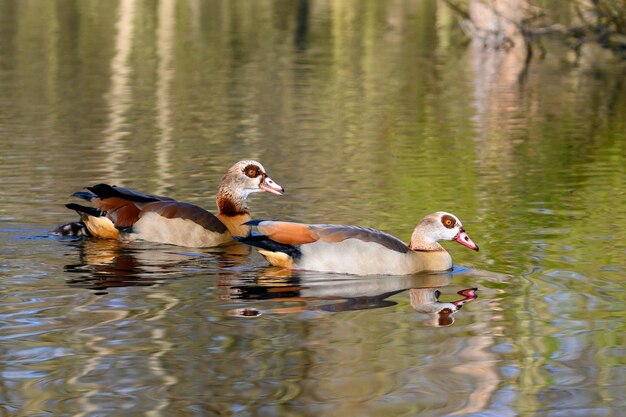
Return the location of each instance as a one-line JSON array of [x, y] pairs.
[[602, 22]]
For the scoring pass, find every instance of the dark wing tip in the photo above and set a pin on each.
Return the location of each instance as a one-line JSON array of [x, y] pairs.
[[96, 189], [108, 191], [251, 238], [264, 242], [92, 211], [253, 222], [84, 195]]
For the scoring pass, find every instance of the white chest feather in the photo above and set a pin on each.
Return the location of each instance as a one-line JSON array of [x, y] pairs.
[[182, 232], [353, 256]]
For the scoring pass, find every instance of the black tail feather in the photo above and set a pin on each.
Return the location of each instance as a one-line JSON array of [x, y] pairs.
[[84, 195], [92, 211], [264, 242], [72, 229]]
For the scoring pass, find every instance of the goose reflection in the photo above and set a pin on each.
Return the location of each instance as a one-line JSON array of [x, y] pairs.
[[336, 293], [426, 300], [104, 264]]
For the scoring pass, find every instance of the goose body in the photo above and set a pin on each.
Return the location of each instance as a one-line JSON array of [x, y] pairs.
[[358, 250], [122, 213]]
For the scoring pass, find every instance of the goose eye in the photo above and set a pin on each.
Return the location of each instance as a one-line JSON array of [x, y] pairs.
[[252, 171], [448, 221]]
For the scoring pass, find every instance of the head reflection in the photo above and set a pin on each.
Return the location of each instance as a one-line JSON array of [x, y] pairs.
[[441, 314]]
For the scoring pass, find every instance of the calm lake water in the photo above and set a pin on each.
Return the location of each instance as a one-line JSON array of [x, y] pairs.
[[368, 113]]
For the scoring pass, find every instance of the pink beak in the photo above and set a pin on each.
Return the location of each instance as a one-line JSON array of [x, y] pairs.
[[465, 240], [271, 187], [469, 294]]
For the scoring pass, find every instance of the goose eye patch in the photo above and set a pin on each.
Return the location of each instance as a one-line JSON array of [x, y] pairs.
[[448, 221], [252, 171]]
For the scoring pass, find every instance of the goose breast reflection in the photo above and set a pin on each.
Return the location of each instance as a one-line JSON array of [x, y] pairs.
[[334, 296], [358, 250]]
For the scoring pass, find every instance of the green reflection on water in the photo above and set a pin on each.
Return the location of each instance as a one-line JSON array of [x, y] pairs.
[[368, 113]]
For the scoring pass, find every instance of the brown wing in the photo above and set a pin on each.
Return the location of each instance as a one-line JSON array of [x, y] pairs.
[[122, 212], [298, 233], [122, 205], [186, 211]]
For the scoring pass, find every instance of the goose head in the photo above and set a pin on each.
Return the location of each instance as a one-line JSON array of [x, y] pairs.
[[439, 226], [241, 180], [250, 177]]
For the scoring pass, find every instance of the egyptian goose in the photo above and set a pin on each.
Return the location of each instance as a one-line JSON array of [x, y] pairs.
[[358, 250], [121, 213]]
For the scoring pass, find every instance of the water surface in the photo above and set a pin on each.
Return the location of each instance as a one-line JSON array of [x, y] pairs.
[[368, 113]]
